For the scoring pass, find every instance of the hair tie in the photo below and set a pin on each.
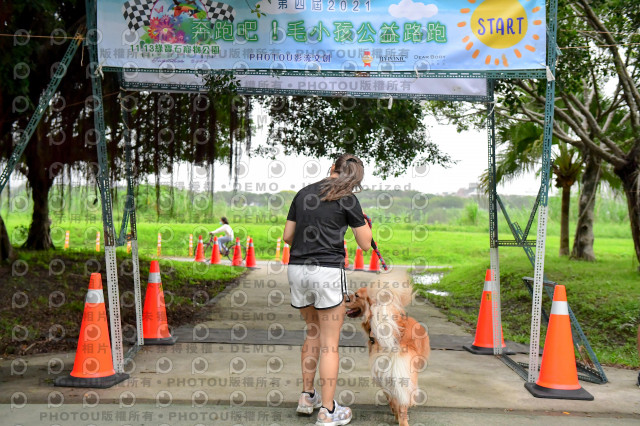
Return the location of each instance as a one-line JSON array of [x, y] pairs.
[[352, 160]]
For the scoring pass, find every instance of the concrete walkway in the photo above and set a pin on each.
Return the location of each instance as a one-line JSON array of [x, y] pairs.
[[247, 371]]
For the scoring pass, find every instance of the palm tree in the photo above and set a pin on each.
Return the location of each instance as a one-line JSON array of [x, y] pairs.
[[566, 166]]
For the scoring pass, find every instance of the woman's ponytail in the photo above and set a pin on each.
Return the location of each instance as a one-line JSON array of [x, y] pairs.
[[350, 171]]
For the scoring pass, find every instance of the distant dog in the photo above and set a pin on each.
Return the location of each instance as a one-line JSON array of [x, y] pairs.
[[398, 344]]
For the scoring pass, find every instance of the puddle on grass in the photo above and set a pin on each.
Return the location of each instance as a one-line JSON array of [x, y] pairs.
[[438, 292], [429, 279]]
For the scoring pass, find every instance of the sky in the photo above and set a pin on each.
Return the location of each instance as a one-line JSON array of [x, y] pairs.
[[469, 149]]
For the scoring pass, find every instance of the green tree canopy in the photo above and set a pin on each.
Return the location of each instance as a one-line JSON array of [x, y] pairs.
[[393, 139]]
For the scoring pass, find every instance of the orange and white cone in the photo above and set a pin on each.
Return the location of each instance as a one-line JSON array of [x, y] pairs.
[[237, 254], [278, 249], [285, 254], [346, 255], [190, 245], [215, 252], [154, 315], [558, 377], [251, 255], [358, 262], [93, 364], [66, 240], [483, 342], [200, 250], [374, 264]]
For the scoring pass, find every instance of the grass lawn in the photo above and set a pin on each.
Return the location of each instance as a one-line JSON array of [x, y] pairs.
[[604, 295], [42, 296], [404, 243]]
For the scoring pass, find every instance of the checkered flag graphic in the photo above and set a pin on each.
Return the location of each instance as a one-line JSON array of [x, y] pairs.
[[220, 11], [137, 13]]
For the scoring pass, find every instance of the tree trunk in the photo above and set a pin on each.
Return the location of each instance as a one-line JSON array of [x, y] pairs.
[[630, 177], [6, 249], [40, 181], [564, 220], [583, 242], [39, 237]]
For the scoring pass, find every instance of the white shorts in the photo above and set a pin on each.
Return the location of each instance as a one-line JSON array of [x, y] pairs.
[[316, 286]]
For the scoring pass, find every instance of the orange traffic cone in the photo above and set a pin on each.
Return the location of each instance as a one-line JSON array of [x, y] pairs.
[[278, 250], [558, 374], [374, 265], [199, 250], [346, 255], [358, 262], [285, 254], [215, 252], [237, 254], [154, 315], [483, 342], [251, 255], [93, 365]]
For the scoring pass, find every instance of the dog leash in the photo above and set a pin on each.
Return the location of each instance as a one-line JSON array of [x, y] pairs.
[[374, 246]]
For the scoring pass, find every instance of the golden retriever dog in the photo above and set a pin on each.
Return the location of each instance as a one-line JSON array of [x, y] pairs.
[[398, 344]]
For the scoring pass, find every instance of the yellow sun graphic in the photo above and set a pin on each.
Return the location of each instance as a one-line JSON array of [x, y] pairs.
[[497, 26]]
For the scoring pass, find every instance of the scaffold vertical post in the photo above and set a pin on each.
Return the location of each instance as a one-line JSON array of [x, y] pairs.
[[538, 277], [493, 223], [113, 292], [130, 212]]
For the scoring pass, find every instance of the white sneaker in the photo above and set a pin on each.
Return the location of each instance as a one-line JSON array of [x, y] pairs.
[[340, 416], [306, 404]]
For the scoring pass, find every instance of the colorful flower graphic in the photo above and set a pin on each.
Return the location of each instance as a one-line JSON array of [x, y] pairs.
[[162, 29], [180, 37], [174, 24]]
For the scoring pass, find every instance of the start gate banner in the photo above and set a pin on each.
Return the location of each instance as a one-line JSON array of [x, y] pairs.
[[323, 35]]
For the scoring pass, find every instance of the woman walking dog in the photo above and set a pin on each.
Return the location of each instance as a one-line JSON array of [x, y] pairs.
[[316, 224]]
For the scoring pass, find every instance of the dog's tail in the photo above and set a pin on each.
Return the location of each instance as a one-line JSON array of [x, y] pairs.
[[394, 376], [384, 324]]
